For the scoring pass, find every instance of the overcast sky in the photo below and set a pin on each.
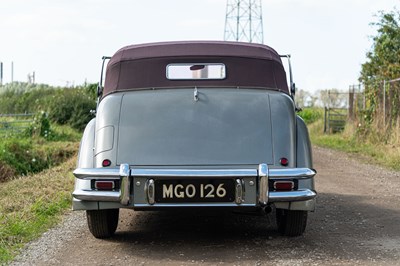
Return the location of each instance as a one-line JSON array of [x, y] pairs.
[[63, 40]]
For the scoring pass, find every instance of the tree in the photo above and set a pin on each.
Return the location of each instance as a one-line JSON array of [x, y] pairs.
[[302, 98], [383, 64], [332, 98], [383, 60]]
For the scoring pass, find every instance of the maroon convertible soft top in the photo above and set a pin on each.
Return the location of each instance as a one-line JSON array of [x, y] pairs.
[[143, 66]]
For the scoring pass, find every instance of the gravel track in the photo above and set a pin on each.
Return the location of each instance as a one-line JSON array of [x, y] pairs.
[[357, 222]]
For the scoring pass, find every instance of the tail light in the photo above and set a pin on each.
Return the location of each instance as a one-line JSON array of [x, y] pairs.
[[104, 185], [106, 163], [284, 161], [283, 185]]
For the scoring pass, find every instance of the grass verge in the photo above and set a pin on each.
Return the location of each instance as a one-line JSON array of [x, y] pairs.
[[32, 204], [21, 154], [387, 155]]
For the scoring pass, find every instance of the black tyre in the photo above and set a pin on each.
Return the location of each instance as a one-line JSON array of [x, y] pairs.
[[102, 223], [290, 222]]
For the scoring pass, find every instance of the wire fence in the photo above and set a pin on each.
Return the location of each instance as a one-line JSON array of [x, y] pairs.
[[391, 103], [15, 123], [376, 104]]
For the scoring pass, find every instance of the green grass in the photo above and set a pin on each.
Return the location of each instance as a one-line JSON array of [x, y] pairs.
[[25, 156], [21, 154], [32, 203], [310, 115], [29, 206], [349, 141], [65, 133]]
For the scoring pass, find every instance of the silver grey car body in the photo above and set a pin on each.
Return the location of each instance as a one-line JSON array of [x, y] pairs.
[[195, 124]]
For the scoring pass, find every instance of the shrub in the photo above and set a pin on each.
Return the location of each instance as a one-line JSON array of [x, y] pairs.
[[21, 97], [40, 127], [21, 156], [72, 107], [65, 106], [18, 154], [311, 115]]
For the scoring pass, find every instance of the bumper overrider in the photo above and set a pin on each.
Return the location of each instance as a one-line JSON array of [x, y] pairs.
[[251, 187]]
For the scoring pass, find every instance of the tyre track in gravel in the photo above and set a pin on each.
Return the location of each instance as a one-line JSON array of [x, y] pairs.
[[357, 222]]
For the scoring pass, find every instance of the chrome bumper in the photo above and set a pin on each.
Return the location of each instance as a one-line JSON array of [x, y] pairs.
[[128, 175]]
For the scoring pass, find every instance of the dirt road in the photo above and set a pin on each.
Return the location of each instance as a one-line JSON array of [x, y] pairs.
[[357, 222]]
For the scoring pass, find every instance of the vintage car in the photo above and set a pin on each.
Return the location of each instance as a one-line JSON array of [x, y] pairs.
[[199, 124]]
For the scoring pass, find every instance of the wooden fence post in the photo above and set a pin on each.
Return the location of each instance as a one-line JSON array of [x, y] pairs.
[[351, 102]]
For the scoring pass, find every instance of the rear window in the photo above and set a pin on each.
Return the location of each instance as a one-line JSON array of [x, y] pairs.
[[196, 71]]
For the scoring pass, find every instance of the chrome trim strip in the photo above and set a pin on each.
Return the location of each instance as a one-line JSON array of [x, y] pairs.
[[90, 173], [239, 191], [194, 172], [93, 195], [263, 183], [175, 205], [298, 173], [297, 195], [149, 190], [125, 192]]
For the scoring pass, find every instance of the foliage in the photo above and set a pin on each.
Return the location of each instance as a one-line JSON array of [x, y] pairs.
[[382, 97], [70, 106], [75, 111], [383, 61], [44, 143], [333, 98], [38, 148], [40, 127], [31, 204], [26, 211], [322, 98], [21, 156], [351, 141], [311, 115], [18, 97], [303, 99]]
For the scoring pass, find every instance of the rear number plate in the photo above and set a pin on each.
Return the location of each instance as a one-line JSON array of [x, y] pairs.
[[197, 190]]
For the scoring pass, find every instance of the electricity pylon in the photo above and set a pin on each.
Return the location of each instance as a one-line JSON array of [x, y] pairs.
[[243, 21]]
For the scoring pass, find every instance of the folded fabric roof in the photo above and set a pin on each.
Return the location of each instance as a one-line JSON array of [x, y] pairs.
[[143, 66]]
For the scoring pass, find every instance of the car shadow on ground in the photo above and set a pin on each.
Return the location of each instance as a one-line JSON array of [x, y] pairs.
[[344, 227]]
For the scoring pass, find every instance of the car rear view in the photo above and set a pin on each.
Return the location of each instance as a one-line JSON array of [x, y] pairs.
[[195, 125]]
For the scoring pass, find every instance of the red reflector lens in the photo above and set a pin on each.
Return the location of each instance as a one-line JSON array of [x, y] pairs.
[[284, 161], [106, 163], [284, 185], [104, 185]]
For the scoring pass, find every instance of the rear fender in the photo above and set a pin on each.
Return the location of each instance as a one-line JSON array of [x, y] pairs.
[[304, 152], [86, 148], [85, 160], [304, 160]]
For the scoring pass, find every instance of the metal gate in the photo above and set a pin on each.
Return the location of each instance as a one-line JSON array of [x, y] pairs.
[[334, 119]]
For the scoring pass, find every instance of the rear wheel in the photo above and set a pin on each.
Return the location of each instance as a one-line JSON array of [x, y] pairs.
[[102, 223], [291, 222]]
